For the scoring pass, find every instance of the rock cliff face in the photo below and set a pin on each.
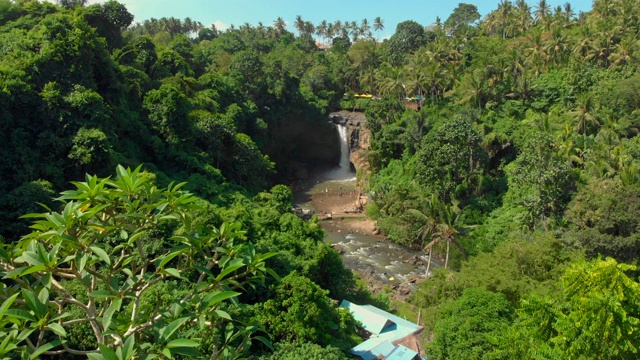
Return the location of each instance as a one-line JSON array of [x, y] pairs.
[[359, 141], [298, 144]]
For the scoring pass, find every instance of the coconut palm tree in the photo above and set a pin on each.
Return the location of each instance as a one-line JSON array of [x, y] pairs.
[[299, 24], [568, 12], [505, 9], [378, 25], [523, 15], [390, 80], [623, 53], [584, 113], [365, 28], [543, 9], [321, 29], [449, 230], [429, 229], [280, 27]]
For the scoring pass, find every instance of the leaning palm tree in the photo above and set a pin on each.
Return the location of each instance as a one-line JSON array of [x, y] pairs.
[[430, 227], [449, 230]]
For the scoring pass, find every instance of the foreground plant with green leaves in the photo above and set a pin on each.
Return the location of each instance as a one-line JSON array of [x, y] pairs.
[[124, 269]]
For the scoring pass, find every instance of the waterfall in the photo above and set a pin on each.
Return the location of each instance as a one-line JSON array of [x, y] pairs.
[[343, 171]]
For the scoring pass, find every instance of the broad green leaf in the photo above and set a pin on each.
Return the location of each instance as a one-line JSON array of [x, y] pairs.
[[107, 352], [103, 293], [222, 314], [81, 261], [46, 347], [7, 303], [228, 270], [167, 331], [95, 356], [30, 258], [45, 279], [108, 314], [204, 270], [34, 303], [173, 272], [273, 274], [25, 334], [43, 296], [189, 352], [182, 343], [135, 236], [57, 329], [215, 298], [33, 269], [101, 254], [126, 351], [265, 341], [19, 313], [172, 255]]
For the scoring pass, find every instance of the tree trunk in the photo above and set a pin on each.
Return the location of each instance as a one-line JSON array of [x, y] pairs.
[[429, 263], [446, 260]]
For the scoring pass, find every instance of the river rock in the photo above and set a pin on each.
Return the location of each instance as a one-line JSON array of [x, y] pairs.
[[338, 248], [404, 290]]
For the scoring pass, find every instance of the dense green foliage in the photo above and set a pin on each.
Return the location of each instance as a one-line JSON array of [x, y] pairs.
[[129, 263], [518, 149]]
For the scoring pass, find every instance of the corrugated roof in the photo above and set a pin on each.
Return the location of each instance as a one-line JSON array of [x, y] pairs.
[[373, 322], [389, 332], [401, 353], [396, 319]]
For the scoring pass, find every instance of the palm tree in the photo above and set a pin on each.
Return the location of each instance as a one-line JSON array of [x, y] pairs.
[[523, 13], [536, 52], [364, 29], [431, 223], [584, 114], [542, 12], [378, 25], [280, 27], [623, 52], [299, 25], [505, 8], [568, 12], [322, 28], [390, 79], [309, 29], [449, 229], [472, 87], [556, 46], [354, 30]]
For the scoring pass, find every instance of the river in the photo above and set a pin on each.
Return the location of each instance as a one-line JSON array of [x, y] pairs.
[[333, 191]]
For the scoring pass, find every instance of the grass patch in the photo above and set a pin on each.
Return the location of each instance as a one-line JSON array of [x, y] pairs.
[[406, 311]]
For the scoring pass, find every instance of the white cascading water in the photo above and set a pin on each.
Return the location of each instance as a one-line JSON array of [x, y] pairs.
[[343, 172]]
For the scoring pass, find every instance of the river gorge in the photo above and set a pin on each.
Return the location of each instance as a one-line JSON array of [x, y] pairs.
[[338, 199]]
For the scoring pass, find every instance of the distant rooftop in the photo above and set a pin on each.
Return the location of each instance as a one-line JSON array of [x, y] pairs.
[[392, 337]]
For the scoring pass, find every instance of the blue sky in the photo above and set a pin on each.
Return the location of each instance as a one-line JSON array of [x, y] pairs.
[[226, 12]]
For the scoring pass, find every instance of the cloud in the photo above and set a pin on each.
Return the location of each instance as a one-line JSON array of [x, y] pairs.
[[220, 25]]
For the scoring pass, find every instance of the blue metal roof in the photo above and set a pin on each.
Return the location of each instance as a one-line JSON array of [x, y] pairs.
[[401, 353], [386, 328], [372, 322]]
